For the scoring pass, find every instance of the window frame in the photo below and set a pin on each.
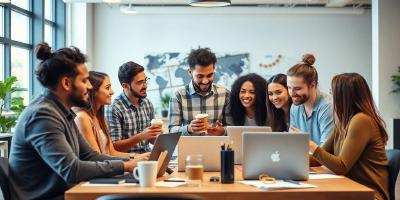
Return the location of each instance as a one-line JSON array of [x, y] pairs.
[[37, 21]]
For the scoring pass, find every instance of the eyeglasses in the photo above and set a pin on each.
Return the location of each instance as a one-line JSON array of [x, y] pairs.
[[143, 82]]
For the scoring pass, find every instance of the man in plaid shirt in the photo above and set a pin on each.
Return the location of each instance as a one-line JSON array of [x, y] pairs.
[[130, 114], [199, 96]]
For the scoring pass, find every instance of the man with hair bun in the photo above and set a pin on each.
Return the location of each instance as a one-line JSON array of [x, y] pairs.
[[311, 110], [48, 154]]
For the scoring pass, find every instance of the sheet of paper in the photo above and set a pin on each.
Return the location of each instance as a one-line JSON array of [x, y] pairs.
[[323, 176], [122, 184], [278, 185], [169, 184]]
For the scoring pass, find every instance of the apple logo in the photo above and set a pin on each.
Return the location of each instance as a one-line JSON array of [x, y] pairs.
[[275, 157]]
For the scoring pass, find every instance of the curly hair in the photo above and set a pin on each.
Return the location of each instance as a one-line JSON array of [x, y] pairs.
[[238, 111], [201, 56]]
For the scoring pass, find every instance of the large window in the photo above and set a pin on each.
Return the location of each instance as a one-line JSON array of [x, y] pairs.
[[23, 24]]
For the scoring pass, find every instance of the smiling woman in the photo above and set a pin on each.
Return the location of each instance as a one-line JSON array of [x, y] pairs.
[[248, 95], [278, 103]]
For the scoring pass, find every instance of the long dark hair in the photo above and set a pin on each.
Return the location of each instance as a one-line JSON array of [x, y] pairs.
[[238, 111], [96, 79], [351, 95], [276, 117]]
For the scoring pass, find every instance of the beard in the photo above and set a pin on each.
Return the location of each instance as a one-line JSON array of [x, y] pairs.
[[203, 87], [303, 99], [77, 99], [136, 94]]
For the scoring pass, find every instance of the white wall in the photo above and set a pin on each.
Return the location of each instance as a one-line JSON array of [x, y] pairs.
[[80, 28], [386, 59], [341, 43]]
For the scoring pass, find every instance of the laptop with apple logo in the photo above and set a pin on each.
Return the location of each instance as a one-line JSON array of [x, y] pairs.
[[281, 155]]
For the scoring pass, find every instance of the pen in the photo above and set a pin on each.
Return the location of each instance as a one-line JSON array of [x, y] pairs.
[[168, 180]]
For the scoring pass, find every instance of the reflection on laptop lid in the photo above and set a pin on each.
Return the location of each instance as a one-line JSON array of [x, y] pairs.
[[279, 154], [235, 135], [208, 146]]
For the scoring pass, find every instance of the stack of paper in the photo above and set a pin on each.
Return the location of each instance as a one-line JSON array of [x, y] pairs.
[[323, 176], [280, 184]]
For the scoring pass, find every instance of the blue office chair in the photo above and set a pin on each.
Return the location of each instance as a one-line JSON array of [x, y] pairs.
[[393, 156], [4, 180], [148, 197]]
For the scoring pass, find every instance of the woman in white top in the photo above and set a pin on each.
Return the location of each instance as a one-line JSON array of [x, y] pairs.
[[91, 121], [248, 101]]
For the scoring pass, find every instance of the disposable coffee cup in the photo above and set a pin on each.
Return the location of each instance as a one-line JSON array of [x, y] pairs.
[[204, 118], [156, 122]]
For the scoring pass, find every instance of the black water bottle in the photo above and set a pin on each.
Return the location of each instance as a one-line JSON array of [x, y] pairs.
[[227, 166]]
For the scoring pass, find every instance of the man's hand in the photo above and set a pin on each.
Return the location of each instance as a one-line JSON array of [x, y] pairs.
[[293, 129], [196, 125], [131, 164], [151, 132], [143, 155], [217, 130]]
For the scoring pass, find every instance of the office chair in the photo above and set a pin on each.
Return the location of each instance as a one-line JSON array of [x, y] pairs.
[[4, 180], [393, 156], [148, 197]]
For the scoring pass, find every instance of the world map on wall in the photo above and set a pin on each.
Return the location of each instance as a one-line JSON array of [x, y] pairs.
[[168, 71]]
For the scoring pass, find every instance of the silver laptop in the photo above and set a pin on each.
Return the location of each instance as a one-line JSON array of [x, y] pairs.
[[279, 154], [208, 146], [235, 135]]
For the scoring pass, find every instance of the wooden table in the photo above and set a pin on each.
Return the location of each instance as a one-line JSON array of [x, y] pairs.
[[342, 188]]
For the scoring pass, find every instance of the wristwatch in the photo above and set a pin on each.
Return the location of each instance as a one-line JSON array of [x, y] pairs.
[[132, 155]]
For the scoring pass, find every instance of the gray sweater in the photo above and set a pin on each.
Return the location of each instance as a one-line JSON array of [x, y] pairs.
[[49, 155]]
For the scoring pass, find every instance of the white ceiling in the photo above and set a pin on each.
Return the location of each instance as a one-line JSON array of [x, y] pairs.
[[292, 3]]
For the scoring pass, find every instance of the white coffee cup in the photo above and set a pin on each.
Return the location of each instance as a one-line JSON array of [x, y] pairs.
[[146, 173]]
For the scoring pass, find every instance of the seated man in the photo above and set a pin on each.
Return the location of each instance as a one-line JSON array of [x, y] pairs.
[[130, 114], [311, 111], [48, 154], [200, 96]]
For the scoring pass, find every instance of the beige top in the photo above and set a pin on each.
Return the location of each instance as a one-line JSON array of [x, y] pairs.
[[358, 153], [101, 138]]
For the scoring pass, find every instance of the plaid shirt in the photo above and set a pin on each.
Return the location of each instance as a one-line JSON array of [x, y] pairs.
[[126, 120], [187, 103]]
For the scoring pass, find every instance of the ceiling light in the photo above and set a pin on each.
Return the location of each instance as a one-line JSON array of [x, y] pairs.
[[111, 1], [210, 3], [127, 9]]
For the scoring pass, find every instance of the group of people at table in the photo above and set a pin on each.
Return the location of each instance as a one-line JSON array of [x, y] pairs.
[[74, 132]]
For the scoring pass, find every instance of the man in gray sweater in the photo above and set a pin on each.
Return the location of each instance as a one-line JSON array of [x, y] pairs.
[[48, 154]]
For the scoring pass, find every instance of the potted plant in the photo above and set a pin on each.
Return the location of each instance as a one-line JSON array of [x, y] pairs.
[[165, 104], [13, 104], [396, 121]]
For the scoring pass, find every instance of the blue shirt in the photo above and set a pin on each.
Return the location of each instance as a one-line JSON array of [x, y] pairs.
[[320, 123]]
